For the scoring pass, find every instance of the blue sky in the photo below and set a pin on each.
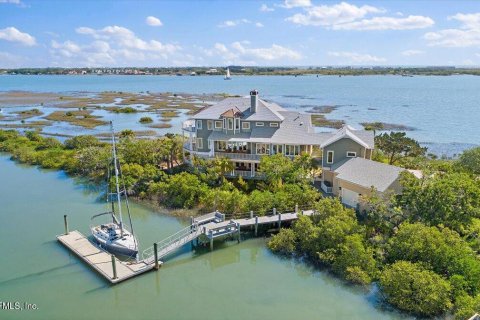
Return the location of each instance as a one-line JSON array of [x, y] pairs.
[[218, 33]]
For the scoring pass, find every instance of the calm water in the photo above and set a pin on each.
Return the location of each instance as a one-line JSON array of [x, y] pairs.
[[445, 111], [235, 281]]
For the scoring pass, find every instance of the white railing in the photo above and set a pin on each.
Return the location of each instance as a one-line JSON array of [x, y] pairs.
[[238, 156], [189, 125], [244, 174], [326, 188]]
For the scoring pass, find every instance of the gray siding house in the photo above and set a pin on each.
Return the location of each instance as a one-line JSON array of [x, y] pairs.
[[245, 129]]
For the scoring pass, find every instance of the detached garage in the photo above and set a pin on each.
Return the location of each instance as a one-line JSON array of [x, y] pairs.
[[355, 177]]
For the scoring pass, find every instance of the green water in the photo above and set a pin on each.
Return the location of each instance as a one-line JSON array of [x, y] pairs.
[[235, 281]]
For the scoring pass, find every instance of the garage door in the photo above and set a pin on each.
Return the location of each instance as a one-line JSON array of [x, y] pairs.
[[349, 197]]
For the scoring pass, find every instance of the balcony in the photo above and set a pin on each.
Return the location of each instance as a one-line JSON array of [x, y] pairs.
[[247, 174], [189, 126], [238, 156], [326, 187]]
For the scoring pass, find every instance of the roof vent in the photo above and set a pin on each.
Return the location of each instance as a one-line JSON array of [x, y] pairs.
[[253, 101]]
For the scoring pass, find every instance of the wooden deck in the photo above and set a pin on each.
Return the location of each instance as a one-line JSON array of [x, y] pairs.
[[100, 260], [210, 226]]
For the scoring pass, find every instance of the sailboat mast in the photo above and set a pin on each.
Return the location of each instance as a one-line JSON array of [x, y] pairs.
[[117, 185]]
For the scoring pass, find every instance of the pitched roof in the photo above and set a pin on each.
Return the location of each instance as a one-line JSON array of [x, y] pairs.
[[367, 173], [266, 111], [295, 129], [362, 137], [234, 112]]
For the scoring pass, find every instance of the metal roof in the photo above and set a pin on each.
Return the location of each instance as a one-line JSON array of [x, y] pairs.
[[367, 173]]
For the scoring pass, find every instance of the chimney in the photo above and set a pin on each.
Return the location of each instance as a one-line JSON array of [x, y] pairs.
[[253, 101]]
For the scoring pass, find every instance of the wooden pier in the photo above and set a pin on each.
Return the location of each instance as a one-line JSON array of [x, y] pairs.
[[107, 265], [205, 228]]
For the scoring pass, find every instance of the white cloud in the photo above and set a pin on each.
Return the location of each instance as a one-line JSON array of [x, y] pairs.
[[126, 38], [468, 34], [14, 35], [345, 16], [354, 57], [153, 21], [412, 52], [326, 15], [242, 53], [234, 23], [8, 60], [113, 46], [265, 8], [387, 23], [296, 3]]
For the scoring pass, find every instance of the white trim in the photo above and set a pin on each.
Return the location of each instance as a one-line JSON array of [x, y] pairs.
[[350, 156], [210, 124], [199, 124], [218, 122], [230, 122], [343, 133], [333, 156], [245, 127], [274, 124], [199, 143], [259, 124]]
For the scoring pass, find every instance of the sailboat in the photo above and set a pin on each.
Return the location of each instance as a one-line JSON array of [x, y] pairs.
[[227, 76], [114, 236]]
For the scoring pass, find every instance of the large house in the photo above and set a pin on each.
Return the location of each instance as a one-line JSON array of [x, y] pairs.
[[244, 129]]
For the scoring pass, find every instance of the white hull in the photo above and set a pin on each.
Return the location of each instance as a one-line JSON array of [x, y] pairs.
[[109, 237]]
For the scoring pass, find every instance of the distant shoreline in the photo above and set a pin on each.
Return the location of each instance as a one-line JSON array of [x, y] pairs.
[[251, 71]]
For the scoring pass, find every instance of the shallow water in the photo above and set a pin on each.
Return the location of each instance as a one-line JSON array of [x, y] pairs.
[[235, 281], [442, 109]]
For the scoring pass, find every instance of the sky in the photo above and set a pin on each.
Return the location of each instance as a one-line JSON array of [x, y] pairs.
[[151, 33]]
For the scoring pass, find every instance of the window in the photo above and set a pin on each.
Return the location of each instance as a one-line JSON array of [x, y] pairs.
[[351, 154], [221, 145], [237, 124], [277, 148], [199, 124], [259, 124], [292, 150], [330, 157], [263, 148], [230, 123], [199, 143], [209, 124], [246, 125], [218, 124], [273, 124]]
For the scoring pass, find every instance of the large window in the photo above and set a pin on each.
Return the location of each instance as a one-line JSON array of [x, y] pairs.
[[277, 148], [292, 150], [263, 148], [199, 124], [218, 124], [237, 124], [230, 123], [210, 124], [221, 145], [246, 125], [330, 157], [199, 143]]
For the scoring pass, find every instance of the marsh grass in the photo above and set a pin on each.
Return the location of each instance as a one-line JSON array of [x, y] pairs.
[[82, 118]]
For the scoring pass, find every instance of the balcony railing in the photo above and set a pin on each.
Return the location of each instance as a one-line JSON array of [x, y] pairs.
[[326, 188], [245, 174], [238, 156], [189, 125]]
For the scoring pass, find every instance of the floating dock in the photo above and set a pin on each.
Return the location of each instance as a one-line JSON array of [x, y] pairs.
[[205, 228], [107, 265]]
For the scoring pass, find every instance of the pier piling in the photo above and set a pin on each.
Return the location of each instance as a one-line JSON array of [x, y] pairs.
[[238, 236], [155, 253], [256, 226], [114, 267], [65, 221], [296, 208], [279, 221]]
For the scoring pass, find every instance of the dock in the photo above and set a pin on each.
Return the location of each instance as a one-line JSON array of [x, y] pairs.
[[203, 229], [100, 260]]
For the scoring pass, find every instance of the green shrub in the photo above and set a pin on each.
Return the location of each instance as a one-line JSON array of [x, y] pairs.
[[146, 120], [283, 243]]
